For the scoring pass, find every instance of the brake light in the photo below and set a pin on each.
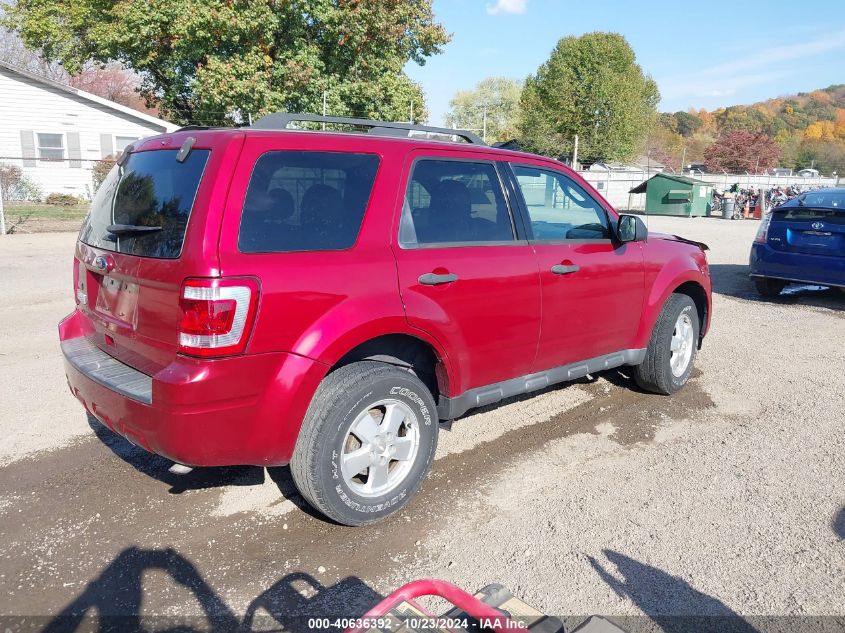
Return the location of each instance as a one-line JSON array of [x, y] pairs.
[[217, 315], [763, 230]]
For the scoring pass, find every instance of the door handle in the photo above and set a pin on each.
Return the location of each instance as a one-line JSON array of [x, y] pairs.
[[436, 279], [564, 269]]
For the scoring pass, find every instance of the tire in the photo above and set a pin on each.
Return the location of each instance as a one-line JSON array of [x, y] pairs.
[[368, 396], [769, 288], [677, 325]]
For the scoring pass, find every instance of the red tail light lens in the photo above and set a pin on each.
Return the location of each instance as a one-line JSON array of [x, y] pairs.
[[205, 318], [217, 315]]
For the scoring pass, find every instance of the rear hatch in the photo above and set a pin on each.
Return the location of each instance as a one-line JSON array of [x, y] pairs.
[[154, 222], [813, 225]]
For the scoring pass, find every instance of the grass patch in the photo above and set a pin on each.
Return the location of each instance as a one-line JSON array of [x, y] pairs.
[[35, 211]]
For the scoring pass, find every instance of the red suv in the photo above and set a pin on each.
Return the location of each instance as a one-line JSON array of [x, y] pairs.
[[327, 299]]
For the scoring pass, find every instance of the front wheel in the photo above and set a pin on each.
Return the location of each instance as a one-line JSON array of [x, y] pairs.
[[671, 351], [366, 443]]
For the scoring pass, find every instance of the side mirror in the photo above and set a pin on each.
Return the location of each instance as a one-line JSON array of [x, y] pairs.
[[631, 229]]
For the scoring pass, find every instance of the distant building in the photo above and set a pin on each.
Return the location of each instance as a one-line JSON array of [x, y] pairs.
[[55, 132]]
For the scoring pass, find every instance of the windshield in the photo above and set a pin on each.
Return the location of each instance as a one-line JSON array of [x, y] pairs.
[[152, 189]]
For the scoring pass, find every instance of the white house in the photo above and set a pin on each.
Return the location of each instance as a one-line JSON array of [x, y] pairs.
[[55, 133]]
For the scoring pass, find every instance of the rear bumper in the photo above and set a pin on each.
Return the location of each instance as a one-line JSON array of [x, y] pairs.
[[824, 270], [200, 412]]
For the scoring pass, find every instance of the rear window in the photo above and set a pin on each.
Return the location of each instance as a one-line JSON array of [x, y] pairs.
[[306, 201], [835, 215], [152, 189]]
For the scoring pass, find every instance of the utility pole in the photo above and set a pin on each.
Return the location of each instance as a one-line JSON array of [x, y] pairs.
[[324, 108], [683, 158], [411, 117], [2, 215], [484, 127], [575, 154]]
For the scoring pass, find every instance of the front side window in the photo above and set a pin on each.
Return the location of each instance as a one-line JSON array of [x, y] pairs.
[[454, 201], [306, 201], [558, 208], [51, 147]]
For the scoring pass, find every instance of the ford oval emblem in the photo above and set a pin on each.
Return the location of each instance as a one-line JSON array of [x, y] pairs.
[[817, 225], [101, 263]]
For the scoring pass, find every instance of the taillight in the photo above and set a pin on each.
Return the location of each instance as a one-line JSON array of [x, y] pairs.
[[763, 230], [217, 315]]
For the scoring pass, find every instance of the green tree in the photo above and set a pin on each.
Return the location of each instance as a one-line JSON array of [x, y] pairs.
[[494, 99], [591, 86], [203, 60], [687, 123]]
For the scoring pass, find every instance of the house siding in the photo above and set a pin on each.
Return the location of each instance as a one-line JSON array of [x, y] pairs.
[[28, 107]]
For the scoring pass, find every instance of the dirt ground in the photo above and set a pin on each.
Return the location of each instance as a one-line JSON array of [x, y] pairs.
[[726, 500]]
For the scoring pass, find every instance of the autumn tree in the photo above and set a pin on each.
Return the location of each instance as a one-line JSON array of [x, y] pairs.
[[741, 151], [206, 61], [492, 106], [115, 83], [591, 86]]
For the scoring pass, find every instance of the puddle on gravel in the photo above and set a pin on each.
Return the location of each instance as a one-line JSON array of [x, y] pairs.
[[89, 501]]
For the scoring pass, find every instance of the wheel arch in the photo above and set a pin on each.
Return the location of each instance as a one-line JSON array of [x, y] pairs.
[[406, 350], [687, 281], [698, 294]]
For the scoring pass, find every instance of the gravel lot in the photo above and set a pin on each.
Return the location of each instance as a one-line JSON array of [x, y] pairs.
[[727, 499]]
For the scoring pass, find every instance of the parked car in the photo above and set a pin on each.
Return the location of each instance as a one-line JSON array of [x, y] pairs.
[[329, 300], [801, 241]]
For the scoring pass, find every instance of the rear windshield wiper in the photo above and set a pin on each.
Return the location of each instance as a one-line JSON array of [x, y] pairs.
[[131, 229]]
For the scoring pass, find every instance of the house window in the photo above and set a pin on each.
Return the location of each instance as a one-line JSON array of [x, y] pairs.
[[51, 147], [120, 142]]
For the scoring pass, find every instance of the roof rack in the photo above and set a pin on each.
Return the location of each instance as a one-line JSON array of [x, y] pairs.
[[281, 120]]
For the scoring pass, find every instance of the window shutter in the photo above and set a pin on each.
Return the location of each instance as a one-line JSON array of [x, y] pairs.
[[28, 148], [106, 145], [74, 151]]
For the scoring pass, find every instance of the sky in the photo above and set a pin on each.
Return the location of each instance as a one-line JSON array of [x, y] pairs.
[[702, 54]]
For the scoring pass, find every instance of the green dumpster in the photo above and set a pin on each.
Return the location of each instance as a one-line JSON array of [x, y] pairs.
[[668, 194]]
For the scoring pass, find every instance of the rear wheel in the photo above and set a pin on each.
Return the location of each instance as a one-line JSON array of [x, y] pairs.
[[769, 287], [671, 351], [366, 444]]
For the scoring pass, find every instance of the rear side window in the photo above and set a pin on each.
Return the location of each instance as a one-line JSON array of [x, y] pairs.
[[454, 201], [151, 190], [306, 201]]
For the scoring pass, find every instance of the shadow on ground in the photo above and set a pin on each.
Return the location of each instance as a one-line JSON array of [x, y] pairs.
[[158, 468], [117, 595], [732, 280], [670, 602], [838, 523]]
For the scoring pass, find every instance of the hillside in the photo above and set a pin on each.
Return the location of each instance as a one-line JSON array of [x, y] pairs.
[[808, 129]]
